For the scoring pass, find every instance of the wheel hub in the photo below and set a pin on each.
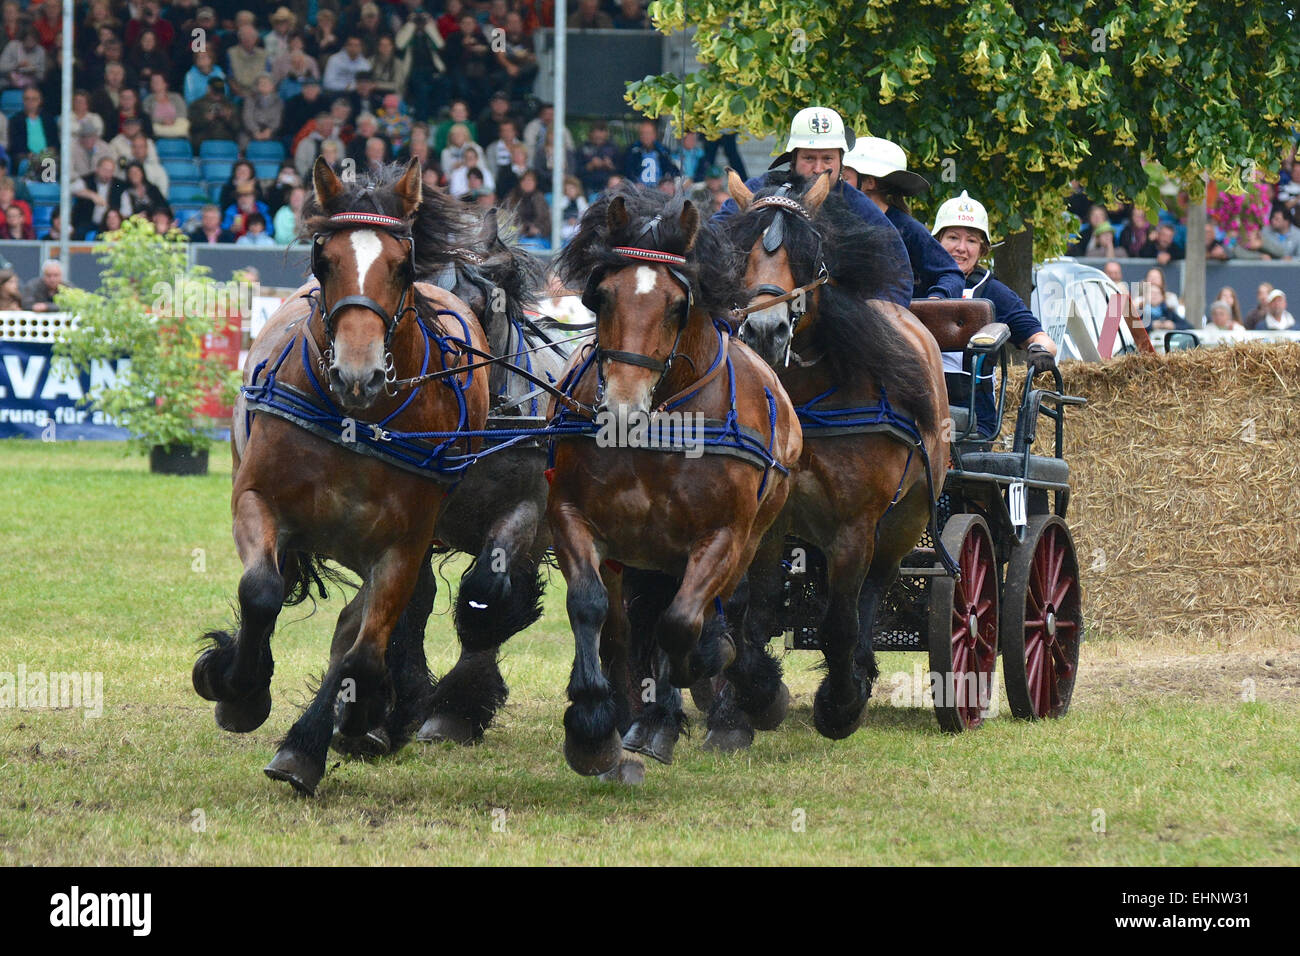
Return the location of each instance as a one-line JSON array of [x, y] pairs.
[[973, 622], [1051, 623]]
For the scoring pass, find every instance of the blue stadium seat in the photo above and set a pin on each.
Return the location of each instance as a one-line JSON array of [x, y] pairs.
[[42, 216], [186, 193], [174, 149], [181, 170], [214, 191], [226, 149], [266, 169], [217, 170], [43, 192], [11, 101], [270, 149]]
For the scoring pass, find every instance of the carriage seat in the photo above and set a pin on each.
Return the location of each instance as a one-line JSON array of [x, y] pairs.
[[1009, 464], [952, 322]]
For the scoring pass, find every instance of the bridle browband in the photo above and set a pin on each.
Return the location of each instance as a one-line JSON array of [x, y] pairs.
[[773, 237], [400, 231]]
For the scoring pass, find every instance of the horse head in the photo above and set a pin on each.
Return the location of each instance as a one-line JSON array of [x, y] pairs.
[[642, 304], [771, 270], [363, 258]]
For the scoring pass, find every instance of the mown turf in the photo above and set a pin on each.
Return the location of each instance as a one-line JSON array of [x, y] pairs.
[[103, 575]]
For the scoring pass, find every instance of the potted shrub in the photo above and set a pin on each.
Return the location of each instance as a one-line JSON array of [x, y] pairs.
[[152, 307]]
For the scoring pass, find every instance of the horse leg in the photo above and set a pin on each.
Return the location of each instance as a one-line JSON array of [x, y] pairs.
[[407, 668], [842, 696], [357, 690], [592, 743], [499, 595], [656, 729], [615, 645], [754, 696], [615, 665], [236, 671], [711, 571]]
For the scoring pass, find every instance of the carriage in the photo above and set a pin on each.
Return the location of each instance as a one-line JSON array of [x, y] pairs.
[[1002, 519]]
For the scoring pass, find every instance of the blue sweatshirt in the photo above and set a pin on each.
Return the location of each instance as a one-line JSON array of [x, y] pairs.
[[899, 288], [1009, 309], [935, 271]]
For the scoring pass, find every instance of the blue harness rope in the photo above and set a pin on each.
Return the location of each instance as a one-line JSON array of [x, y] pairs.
[[725, 437], [429, 454]]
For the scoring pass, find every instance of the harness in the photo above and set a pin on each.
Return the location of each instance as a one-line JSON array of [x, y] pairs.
[[773, 237], [830, 421]]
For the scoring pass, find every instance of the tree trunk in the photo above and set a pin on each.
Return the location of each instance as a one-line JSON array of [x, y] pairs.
[[1194, 264], [1013, 262]]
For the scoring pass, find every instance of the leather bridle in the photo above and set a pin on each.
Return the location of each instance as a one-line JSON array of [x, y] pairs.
[[773, 237], [399, 230]]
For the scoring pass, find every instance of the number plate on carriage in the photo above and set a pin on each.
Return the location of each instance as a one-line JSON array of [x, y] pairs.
[[1016, 503]]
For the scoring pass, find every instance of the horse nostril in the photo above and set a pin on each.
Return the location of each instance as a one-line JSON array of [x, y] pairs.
[[376, 381]]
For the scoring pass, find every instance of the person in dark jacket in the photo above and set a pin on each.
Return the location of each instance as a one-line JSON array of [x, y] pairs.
[[817, 145], [96, 194], [879, 169], [648, 162], [33, 130], [962, 228]]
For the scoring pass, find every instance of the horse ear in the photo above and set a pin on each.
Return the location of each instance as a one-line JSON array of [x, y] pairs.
[[739, 191], [410, 188], [817, 193], [617, 218], [690, 223], [328, 186]]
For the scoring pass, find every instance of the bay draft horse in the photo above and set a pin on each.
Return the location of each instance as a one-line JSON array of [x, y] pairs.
[[860, 496], [300, 498], [655, 277]]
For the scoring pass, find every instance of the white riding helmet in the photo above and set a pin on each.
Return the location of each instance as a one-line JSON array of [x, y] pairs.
[[817, 127], [962, 211], [887, 162]]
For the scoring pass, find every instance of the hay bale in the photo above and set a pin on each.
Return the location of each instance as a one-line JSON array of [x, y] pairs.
[[1186, 496]]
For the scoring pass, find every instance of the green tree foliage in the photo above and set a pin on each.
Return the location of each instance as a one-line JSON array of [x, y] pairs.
[[136, 313], [1021, 98]]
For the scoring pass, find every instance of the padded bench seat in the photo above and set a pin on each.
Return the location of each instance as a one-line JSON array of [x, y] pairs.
[[1008, 464]]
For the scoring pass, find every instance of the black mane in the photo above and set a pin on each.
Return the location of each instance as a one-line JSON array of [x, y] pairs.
[[854, 335], [442, 227], [714, 267]]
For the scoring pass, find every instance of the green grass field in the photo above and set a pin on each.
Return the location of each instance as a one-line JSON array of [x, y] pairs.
[[112, 570]]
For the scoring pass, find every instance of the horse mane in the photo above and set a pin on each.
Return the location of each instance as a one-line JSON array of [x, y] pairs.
[[714, 266], [854, 335], [445, 232]]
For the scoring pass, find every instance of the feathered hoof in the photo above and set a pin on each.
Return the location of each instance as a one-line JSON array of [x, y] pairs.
[[592, 761], [373, 743], [205, 676], [654, 740], [297, 769], [443, 728], [246, 714], [630, 771], [729, 740], [837, 721], [771, 716]]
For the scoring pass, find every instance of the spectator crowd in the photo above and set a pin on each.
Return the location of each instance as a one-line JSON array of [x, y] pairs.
[[209, 118]]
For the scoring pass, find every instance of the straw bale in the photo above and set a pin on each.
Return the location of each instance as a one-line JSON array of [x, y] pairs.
[[1185, 505]]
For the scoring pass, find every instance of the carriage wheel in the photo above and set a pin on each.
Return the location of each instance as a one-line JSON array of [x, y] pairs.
[[1042, 624], [963, 635]]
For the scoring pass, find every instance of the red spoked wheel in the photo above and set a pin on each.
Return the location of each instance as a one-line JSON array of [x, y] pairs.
[[1042, 623], [963, 632]]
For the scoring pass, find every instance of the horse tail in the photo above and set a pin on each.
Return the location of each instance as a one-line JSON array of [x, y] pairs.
[[302, 569]]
